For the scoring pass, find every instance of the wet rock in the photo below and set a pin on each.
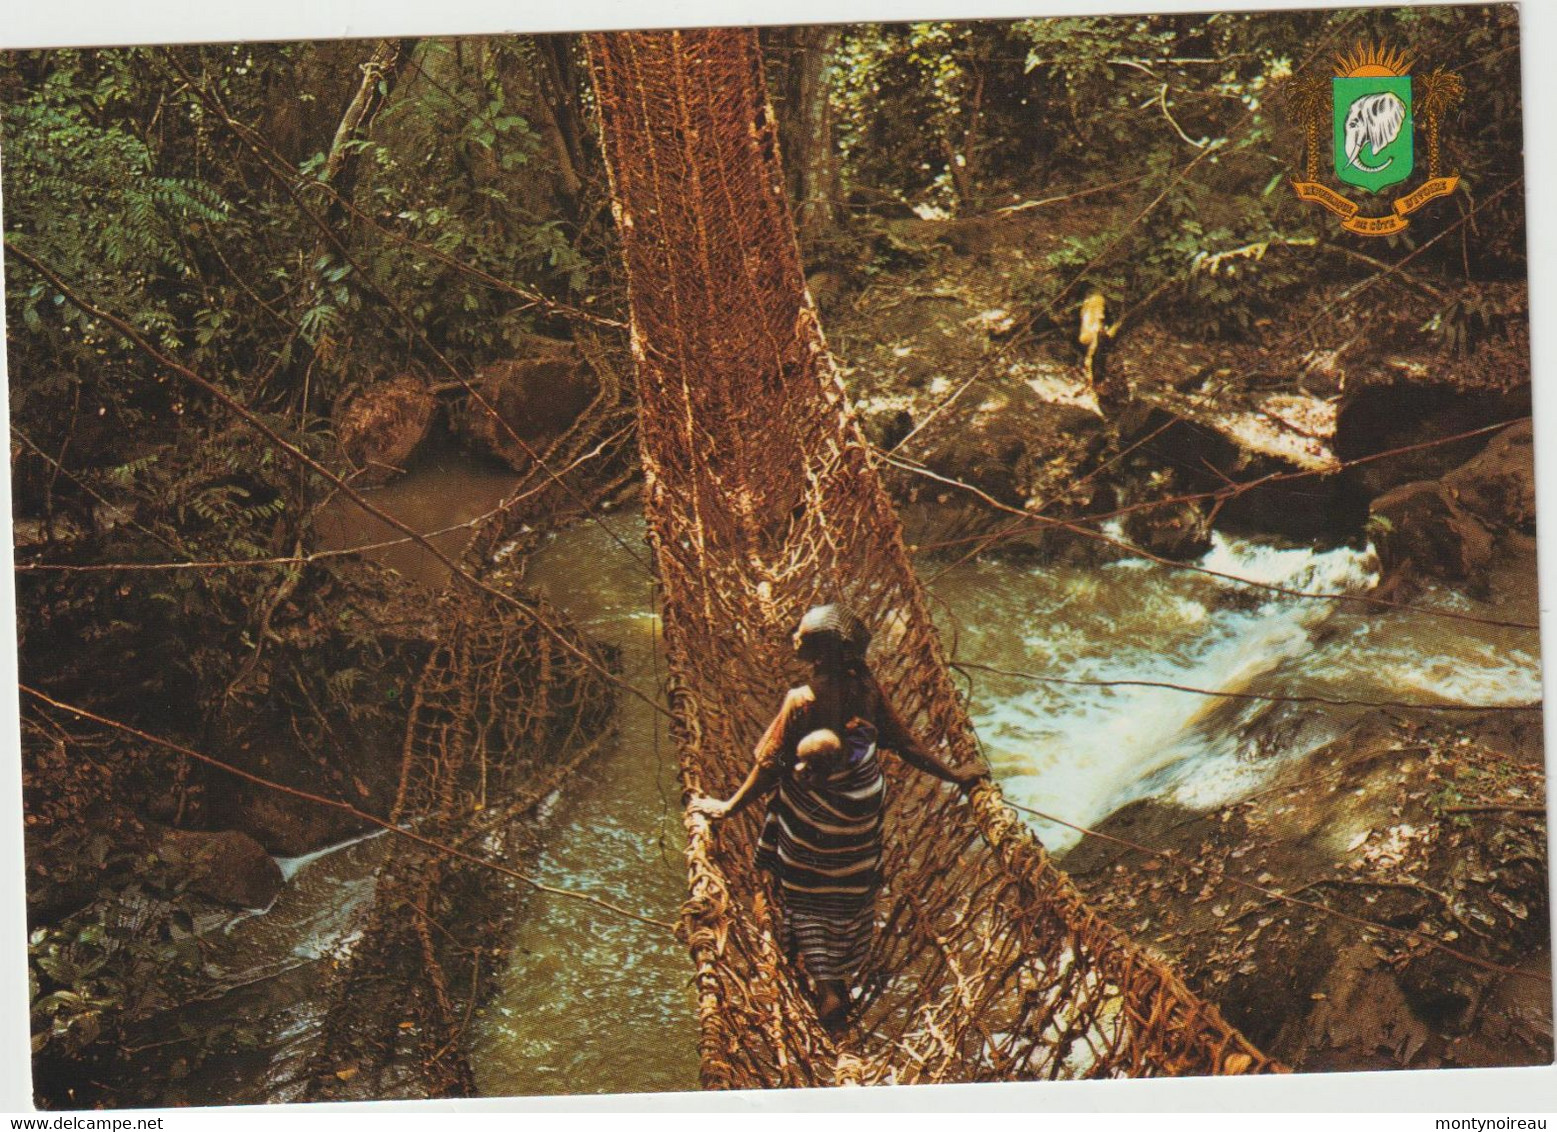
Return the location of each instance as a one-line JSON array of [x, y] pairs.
[[1309, 987], [229, 867], [1307, 509], [1449, 529], [1178, 531], [1146, 820], [1176, 455], [1412, 413], [1422, 532], [1515, 1012], [1016, 446], [1498, 486], [381, 425], [280, 825], [1361, 1016], [537, 397]]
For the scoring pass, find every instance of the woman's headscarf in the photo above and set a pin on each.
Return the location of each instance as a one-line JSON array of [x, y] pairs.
[[841, 624]]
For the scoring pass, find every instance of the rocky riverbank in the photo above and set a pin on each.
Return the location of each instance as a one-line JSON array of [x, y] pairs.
[[1382, 905], [1404, 422], [141, 857], [1384, 902], [1290, 426], [1401, 425], [1317, 407], [185, 950]]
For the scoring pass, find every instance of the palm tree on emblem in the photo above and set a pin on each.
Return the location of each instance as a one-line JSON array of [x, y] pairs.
[[1441, 92], [1306, 97]]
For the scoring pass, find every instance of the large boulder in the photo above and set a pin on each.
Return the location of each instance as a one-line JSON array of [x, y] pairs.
[[1016, 446], [1498, 486], [1449, 529], [328, 735], [1360, 1017], [1422, 532], [1416, 421], [283, 825], [1178, 531], [382, 424], [1162, 435], [536, 397], [229, 867]]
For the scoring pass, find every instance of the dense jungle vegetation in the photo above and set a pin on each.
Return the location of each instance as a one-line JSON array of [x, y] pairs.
[[295, 223]]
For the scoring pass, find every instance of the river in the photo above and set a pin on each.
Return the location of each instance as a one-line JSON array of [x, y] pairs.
[[593, 1003]]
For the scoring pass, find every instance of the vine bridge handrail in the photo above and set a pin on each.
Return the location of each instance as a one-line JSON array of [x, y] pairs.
[[762, 499]]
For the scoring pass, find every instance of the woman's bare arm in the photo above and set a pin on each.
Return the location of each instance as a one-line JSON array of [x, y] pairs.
[[895, 735], [763, 777], [768, 766]]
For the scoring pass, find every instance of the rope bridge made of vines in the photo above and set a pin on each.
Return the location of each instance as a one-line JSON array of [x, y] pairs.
[[763, 499], [511, 701]]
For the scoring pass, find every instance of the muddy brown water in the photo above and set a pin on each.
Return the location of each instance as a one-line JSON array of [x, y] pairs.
[[590, 1002], [594, 1003], [443, 495]]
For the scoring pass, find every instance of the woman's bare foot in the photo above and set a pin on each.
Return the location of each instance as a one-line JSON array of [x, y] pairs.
[[832, 1005]]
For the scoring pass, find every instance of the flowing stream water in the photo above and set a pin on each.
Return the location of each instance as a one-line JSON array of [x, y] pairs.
[[594, 1003], [1080, 751]]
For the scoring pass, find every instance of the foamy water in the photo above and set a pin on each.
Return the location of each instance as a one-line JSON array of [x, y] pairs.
[[1080, 753]]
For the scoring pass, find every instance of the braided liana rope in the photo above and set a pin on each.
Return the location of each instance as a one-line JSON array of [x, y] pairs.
[[762, 500]]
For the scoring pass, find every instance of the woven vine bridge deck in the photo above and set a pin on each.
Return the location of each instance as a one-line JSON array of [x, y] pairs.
[[762, 500]]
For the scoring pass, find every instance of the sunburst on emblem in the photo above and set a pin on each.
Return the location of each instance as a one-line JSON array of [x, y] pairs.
[[1372, 60]]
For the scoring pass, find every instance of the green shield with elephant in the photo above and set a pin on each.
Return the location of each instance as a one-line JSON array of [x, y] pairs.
[[1373, 130]]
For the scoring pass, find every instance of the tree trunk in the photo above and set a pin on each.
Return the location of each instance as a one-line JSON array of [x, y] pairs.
[[816, 159], [558, 83], [342, 164], [380, 74], [961, 153]]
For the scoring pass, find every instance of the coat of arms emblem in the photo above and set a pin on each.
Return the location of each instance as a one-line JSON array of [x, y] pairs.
[[1375, 107]]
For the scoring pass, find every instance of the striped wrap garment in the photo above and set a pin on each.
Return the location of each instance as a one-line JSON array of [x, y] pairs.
[[822, 842]]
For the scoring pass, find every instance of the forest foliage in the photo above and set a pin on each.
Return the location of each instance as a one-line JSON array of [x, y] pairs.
[[189, 191], [295, 221]]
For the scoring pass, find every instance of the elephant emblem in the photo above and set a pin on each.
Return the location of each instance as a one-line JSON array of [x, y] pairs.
[[1373, 122]]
